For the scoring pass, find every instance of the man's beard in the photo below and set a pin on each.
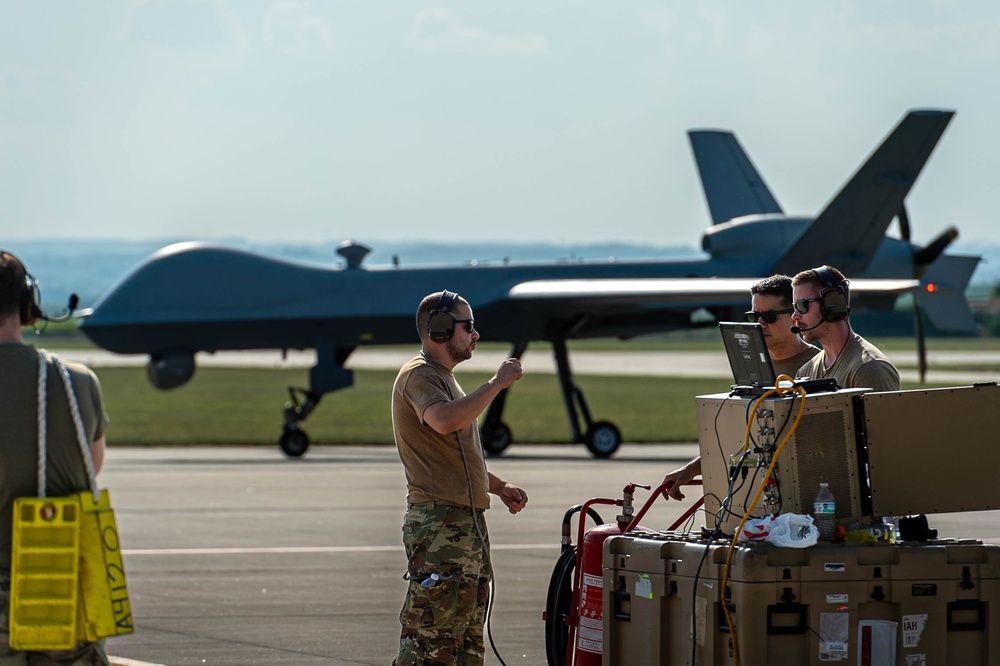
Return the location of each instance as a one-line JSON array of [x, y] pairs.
[[457, 353]]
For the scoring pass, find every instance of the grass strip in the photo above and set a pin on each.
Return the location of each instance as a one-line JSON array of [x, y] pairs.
[[244, 406]]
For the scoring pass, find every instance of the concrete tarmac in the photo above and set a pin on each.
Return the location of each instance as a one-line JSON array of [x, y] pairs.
[[237, 555]]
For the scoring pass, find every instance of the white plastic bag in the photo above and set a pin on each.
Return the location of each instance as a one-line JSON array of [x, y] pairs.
[[787, 530]]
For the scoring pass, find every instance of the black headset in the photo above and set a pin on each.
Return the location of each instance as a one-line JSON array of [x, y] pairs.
[[441, 323], [30, 308], [835, 304]]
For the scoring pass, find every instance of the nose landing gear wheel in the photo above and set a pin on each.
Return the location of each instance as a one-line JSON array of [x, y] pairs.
[[496, 439], [602, 439], [294, 441]]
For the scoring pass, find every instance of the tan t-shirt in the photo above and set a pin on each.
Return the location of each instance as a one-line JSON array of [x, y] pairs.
[[66, 472], [789, 366], [433, 462], [860, 365]]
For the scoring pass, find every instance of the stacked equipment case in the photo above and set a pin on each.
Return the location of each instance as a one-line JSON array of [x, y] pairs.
[[917, 604]]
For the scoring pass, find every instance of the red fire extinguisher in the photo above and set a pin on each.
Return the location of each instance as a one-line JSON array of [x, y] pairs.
[[574, 614], [588, 647]]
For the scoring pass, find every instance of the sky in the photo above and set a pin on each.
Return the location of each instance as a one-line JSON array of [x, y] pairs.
[[520, 121]]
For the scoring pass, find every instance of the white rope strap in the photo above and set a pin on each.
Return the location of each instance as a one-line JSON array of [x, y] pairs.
[[43, 372], [81, 435]]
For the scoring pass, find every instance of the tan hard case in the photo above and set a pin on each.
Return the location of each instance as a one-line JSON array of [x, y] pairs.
[[662, 606]]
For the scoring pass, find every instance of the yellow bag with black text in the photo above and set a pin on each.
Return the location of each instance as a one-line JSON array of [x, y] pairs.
[[67, 577]]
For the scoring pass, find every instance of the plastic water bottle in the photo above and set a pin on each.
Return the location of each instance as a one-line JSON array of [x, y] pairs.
[[431, 580], [825, 512]]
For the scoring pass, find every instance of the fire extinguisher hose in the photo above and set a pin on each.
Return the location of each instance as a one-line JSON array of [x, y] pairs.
[[557, 607], [559, 599]]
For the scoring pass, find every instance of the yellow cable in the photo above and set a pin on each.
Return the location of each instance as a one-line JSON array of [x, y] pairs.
[[746, 433], [774, 459]]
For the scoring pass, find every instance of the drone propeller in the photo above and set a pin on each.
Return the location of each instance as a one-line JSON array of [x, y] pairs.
[[922, 258], [928, 254]]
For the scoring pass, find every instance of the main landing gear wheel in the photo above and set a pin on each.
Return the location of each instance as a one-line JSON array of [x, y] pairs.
[[602, 439], [496, 439], [294, 441]]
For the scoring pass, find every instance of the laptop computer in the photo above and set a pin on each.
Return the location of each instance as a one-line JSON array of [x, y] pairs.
[[750, 361], [748, 357]]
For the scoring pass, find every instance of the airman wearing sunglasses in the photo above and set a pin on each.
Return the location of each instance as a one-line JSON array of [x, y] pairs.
[[448, 488], [821, 298], [771, 306]]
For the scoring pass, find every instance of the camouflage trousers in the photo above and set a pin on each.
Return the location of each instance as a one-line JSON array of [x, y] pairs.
[[84, 654], [449, 576]]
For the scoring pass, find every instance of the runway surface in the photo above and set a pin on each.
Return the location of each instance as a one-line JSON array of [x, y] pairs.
[[238, 556]]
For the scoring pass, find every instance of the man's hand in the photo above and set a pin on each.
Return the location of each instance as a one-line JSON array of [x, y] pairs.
[[513, 497], [680, 477], [508, 372]]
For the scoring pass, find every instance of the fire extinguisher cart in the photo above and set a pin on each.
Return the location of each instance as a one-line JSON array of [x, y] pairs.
[[574, 609]]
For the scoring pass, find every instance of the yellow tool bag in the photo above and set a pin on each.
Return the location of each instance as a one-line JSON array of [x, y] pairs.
[[67, 579]]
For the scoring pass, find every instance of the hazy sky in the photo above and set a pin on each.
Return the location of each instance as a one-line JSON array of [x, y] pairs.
[[552, 120]]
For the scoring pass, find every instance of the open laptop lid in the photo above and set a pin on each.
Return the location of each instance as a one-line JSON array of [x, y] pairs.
[[748, 355]]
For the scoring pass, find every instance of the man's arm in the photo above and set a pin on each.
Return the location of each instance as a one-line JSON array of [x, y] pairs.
[[452, 415], [512, 496], [97, 453], [682, 476], [877, 375]]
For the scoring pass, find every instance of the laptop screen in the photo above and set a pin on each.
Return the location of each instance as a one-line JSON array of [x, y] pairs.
[[748, 355]]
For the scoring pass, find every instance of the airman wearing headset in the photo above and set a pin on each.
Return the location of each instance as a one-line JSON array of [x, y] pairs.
[[770, 306], [66, 471], [820, 311], [444, 529], [822, 301]]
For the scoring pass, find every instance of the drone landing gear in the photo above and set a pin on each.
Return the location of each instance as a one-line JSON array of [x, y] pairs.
[[494, 433], [294, 441], [327, 375], [602, 438]]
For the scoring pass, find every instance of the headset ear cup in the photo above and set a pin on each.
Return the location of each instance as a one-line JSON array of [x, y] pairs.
[[29, 307], [834, 305], [31, 310], [441, 326], [441, 323]]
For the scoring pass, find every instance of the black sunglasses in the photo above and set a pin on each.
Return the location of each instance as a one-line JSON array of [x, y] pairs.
[[470, 324], [769, 316], [802, 305]]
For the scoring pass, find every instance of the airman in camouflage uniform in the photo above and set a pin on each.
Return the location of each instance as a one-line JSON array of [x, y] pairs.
[[448, 488]]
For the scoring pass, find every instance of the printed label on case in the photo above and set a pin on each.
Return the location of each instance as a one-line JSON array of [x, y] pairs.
[[913, 628]]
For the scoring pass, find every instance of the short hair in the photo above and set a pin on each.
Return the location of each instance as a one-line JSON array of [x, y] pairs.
[[811, 276], [428, 305], [776, 285], [13, 282]]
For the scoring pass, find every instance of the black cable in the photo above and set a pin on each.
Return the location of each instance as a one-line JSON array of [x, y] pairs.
[[694, 599], [489, 614], [777, 437], [486, 553], [715, 423], [482, 537]]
